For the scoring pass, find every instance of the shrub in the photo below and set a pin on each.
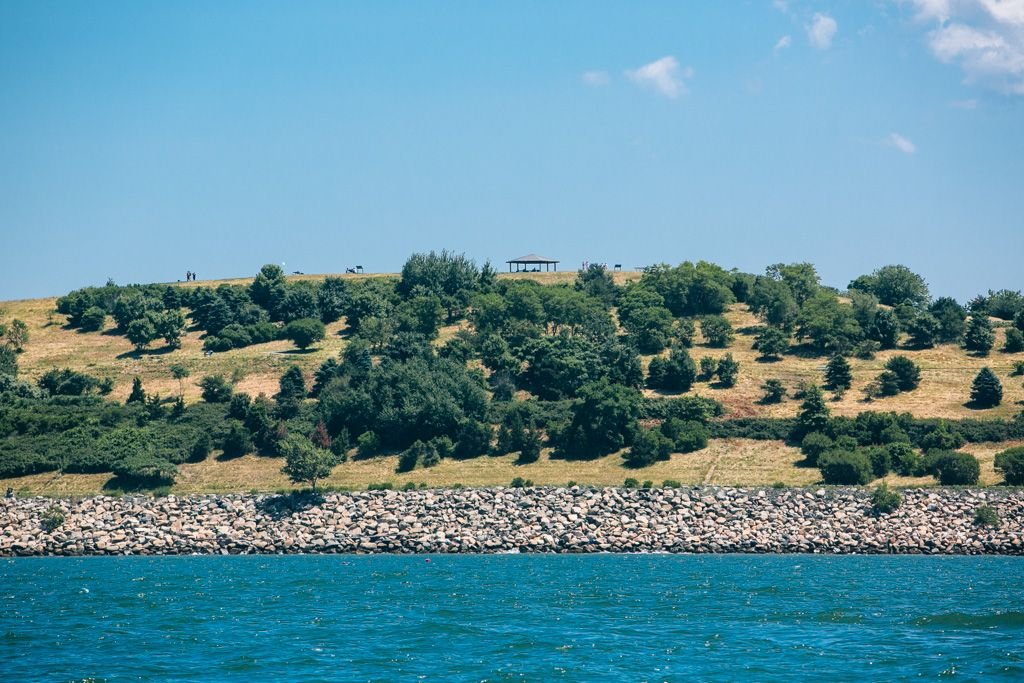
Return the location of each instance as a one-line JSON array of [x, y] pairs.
[[649, 446], [881, 463], [845, 467], [813, 446], [146, 469], [986, 390], [884, 500], [942, 438], [980, 337], [529, 448], [382, 486], [905, 460], [708, 367], [52, 518], [1018, 369], [886, 384], [772, 342], [367, 444], [419, 452], [774, 392], [908, 374], [986, 516], [304, 462], [93, 319], [717, 331], [813, 415], [728, 370], [304, 332], [474, 439], [671, 484], [1011, 463], [519, 483], [1014, 341], [215, 389], [409, 486], [953, 468], [237, 442], [866, 349], [630, 483]]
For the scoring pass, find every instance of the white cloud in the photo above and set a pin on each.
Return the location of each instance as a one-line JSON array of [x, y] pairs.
[[783, 43], [901, 143], [664, 75], [985, 38], [596, 78], [821, 30], [781, 5]]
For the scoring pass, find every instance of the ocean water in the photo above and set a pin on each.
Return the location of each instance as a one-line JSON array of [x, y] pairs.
[[511, 618]]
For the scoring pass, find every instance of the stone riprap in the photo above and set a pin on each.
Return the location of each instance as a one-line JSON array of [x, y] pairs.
[[562, 520]]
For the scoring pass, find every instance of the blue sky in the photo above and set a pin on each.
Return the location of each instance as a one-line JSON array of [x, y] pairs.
[[138, 140]]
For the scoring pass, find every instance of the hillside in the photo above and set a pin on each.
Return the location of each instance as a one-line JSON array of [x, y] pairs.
[[946, 374]]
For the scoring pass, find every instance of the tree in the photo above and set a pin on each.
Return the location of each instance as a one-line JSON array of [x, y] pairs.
[[17, 335], [180, 372], [305, 332], [598, 283], [140, 332], [292, 385], [269, 288], [845, 468], [717, 331], [649, 446], [215, 389], [894, 285], [1014, 341], [772, 342], [813, 415], [728, 370], [950, 316], [887, 383], [675, 373], [304, 462], [923, 330], [93, 319], [170, 325], [886, 328], [908, 374], [986, 390], [774, 391], [603, 420], [237, 442], [708, 368], [1011, 463], [137, 395], [953, 468], [838, 376], [980, 337], [8, 361]]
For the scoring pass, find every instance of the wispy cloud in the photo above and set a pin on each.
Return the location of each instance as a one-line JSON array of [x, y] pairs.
[[821, 30], [901, 143], [781, 5], [783, 43], [596, 78], [984, 37], [663, 75]]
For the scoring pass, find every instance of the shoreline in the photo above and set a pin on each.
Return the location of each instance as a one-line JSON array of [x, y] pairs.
[[695, 520]]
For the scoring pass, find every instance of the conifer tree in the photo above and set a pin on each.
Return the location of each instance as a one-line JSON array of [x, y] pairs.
[[986, 390], [837, 374], [813, 416], [980, 336], [137, 395]]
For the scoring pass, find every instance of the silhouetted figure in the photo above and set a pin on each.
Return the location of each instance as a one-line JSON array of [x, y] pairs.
[[10, 492]]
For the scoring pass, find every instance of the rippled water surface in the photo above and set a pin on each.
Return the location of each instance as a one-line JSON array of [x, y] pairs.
[[504, 618]]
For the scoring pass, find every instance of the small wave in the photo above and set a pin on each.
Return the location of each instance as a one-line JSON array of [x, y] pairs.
[[962, 620]]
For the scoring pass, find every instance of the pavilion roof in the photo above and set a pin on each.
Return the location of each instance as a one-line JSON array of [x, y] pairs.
[[532, 258]]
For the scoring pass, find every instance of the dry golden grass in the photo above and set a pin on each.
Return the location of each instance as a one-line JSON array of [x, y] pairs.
[[724, 462], [946, 375]]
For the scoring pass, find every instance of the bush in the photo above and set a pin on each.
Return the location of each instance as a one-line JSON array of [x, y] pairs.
[[237, 442], [986, 390], [881, 463], [774, 392], [93, 319], [419, 452], [52, 519], [986, 516], [942, 438], [728, 370], [813, 446], [304, 332], [382, 486], [905, 460], [215, 389], [708, 367], [1011, 463], [845, 468], [907, 373], [146, 469], [474, 439], [953, 468], [885, 501], [1018, 369], [1014, 341], [367, 444], [717, 331], [631, 483], [304, 462], [519, 483], [649, 446], [671, 484]]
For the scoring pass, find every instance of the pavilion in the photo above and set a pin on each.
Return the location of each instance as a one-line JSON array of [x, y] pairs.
[[531, 260]]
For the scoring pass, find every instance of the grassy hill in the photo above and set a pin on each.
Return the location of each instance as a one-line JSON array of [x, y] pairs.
[[946, 375]]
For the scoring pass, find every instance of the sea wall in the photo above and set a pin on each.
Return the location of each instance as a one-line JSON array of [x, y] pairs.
[[576, 520]]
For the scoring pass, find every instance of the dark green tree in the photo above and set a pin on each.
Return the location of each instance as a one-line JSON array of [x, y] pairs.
[[986, 390], [304, 462], [980, 337], [728, 370], [717, 331], [649, 446], [886, 328], [137, 394], [215, 389], [813, 416], [268, 289], [772, 342], [838, 376], [774, 391], [908, 374], [1014, 341], [894, 285], [603, 420], [141, 332], [304, 332], [923, 330]]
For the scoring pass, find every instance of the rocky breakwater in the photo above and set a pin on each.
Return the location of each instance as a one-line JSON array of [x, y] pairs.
[[576, 520]]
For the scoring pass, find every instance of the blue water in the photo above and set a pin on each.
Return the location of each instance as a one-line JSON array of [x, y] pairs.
[[511, 618]]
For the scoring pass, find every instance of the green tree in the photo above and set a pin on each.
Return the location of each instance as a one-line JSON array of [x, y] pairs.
[[980, 337], [304, 332], [649, 446], [986, 390], [774, 391], [908, 374], [950, 316], [137, 394], [894, 285], [772, 342], [675, 373], [304, 462], [8, 361], [728, 370], [923, 330], [170, 325], [16, 335], [1011, 463], [597, 282], [180, 372], [215, 389], [838, 376], [717, 331], [886, 329], [953, 468], [140, 332], [845, 468], [814, 415], [1014, 341], [268, 289], [292, 385], [93, 319], [603, 420]]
